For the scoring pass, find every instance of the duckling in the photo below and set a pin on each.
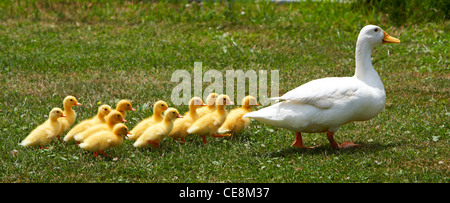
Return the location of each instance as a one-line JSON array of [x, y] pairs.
[[123, 106], [158, 108], [71, 115], [103, 140], [156, 133], [103, 111], [44, 133], [209, 123], [210, 105], [234, 122], [181, 125], [111, 119]]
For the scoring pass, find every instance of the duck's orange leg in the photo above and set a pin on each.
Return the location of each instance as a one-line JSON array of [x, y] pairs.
[[221, 135], [298, 141], [330, 136], [204, 139], [96, 155], [102, 152], [155, 143], [182, 139]]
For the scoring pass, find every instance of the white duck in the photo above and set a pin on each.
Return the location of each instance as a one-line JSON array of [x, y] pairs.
[[324, 105]]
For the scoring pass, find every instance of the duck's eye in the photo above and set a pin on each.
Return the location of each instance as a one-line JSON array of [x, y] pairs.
[[57, 111], [173, 112], [118, 116], [106, 109], [162, 104], [128, 104], [376, 30]]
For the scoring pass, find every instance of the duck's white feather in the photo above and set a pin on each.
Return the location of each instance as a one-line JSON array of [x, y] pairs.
[[326, 104]]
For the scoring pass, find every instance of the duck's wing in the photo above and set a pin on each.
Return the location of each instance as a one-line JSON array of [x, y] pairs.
[[322, 93]]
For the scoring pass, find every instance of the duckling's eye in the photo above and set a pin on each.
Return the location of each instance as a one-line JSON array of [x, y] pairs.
[[376, 30], [162, 104], [128, 104], [173, 112], [57, 111], [106, 109], [118, 116]]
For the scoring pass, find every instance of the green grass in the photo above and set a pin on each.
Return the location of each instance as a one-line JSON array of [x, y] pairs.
[[103, 51]]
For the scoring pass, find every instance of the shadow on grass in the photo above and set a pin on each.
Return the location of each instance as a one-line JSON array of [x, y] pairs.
[[326, 149]]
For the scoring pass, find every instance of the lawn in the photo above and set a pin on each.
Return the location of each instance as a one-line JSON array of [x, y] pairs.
[[103, 51]]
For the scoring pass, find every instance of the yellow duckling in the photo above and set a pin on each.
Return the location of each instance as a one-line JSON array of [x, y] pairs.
[[44, 133], [234, 122], [111, 120], [210, 105], [156, 133], [181, 125], [103, 140], [123, 106], [67, 121], [209, 123], [158, 108], [103, 111]]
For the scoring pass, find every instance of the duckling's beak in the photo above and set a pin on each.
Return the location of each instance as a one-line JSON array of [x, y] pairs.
[[132, 109], [123, 120], [77, 104], [179, 116], [389, 39], [203, 104], [128, 133], [230, 103], [63, 115], [166, 108]]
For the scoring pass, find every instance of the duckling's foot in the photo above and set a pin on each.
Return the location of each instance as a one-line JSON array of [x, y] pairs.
[[348, 145], [221, 135], [204, 139]]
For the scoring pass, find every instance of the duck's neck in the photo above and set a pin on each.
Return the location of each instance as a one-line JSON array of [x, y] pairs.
[[168, 122], [111, 123], [68, 111], [364, 70], [221, 109], [54, 121], [157, 116], [193, 111]]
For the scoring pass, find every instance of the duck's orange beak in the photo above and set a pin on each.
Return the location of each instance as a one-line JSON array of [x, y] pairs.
[[132, 109], [389, 39], [179, 116], [128, 133], [203, 104], [77, 104], [123, 120], [63, 115]]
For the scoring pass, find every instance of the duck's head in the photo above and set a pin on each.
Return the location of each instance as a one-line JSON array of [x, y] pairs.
[[104, 110], [249, 101], [124, 105], [172, 113], [375, 36], [196, 102], [55, 113], [115, 117], [70, 101], [223, 100], [159, 107], [211, 99], [121, 130]]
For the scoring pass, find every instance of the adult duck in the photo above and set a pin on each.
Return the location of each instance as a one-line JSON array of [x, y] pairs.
[[324, 105]]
